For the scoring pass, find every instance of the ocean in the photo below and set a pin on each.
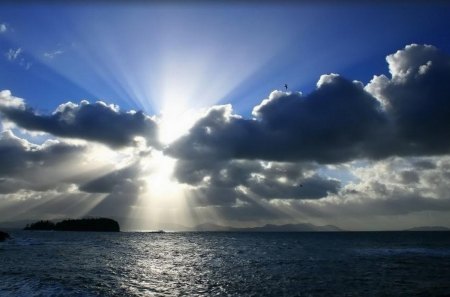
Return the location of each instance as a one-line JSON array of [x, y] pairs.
[[39, 263]]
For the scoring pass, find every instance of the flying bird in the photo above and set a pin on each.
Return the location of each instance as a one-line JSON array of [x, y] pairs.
[[286, 86]]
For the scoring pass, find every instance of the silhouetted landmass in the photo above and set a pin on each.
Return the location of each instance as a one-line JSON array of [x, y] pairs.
[[212, 227], [4, 236], [303, 227], [88, 224], [41, 225], [429, 228]]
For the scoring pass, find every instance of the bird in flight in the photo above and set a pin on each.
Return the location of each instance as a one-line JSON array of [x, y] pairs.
[[286, 86]]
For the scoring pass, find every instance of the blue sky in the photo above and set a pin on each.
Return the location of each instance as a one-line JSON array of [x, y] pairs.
[[175, 114], [243, 51]]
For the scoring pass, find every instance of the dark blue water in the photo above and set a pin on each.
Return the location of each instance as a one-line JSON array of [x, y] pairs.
[[225, 264]]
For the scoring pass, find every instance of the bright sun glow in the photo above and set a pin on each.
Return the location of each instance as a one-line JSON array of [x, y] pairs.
[[164, 74], [175, 122], [163, 200]]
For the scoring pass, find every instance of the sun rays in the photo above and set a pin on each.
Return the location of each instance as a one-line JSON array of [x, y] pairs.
[[174, 72]]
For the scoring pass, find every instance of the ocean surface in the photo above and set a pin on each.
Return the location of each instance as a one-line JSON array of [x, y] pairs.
[[39, 263]]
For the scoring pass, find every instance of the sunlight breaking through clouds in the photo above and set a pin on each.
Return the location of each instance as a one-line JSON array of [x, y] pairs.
[[176, 154]]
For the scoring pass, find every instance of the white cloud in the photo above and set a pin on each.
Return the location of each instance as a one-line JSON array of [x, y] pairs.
[[13, 54], [16, 56], [8, 100], [53, 54], [326, 79], [3, 28]]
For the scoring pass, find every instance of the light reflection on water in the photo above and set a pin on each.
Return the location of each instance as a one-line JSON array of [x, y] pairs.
[[220, 264]]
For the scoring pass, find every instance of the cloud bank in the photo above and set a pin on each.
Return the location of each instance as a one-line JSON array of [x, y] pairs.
[[346, 153], [408, 114], [98, 121]]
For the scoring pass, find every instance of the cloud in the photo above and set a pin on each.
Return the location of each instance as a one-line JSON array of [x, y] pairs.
[[225, 156], [227, 183], [47, 180], [13, 54], [337, 122], [122, 187], [380, 193], [408, 114], [90, 121], [24, 165], [16, 56], [417, 99], [396, 186], [409, 177], [53, 54], [3, 28], [7, 100], [59, 179], [388, 140]]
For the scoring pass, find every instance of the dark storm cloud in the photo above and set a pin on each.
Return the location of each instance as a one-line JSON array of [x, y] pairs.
[[405, 115], [409, 177], [339, 121], [17, 155], [314, 187], [21, 162], [417, 99], [424, 165], [94, 122], [223, 182], [215, 196]]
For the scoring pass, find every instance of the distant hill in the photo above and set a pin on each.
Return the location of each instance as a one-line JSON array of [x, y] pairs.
[[211, 227], [88, 224], [302, 227], [429, 228]]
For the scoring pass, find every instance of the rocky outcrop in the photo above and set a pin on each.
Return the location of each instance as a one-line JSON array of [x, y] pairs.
[[4, 236]]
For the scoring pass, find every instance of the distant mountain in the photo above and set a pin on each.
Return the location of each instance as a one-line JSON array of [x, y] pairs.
[[302, 227], [429, 228], [211, 227]]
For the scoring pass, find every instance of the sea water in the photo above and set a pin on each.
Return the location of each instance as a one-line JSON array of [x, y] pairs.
[[38, 263]]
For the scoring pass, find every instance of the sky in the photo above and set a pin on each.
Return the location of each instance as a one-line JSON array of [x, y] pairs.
[[169, 114]]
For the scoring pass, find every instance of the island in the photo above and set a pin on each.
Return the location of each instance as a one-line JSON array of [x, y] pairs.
[[4, 236], [87, 224]]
